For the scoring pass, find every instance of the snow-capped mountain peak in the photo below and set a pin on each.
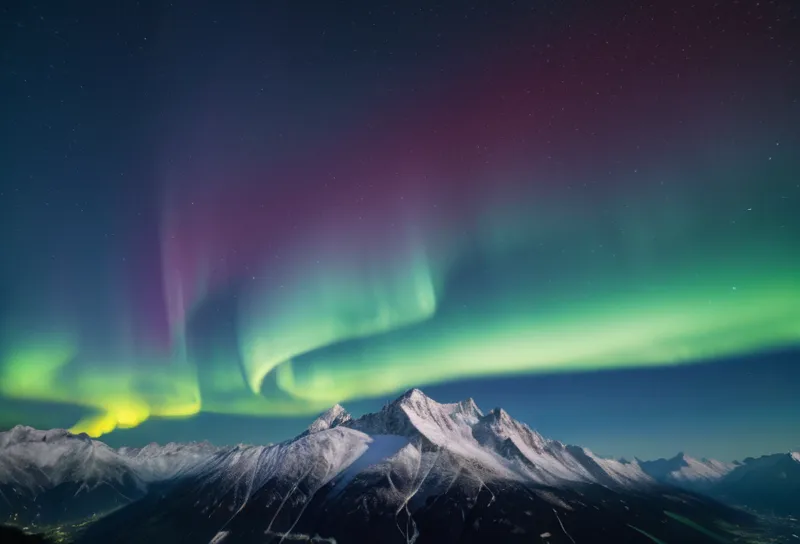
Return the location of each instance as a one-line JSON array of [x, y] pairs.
[[499, 414], [22, 434], [402, 416], [434, 426], [59, 457], [540, 459], [503, 426], [332, 417], [497, 442], [465, 411], [414, 394]]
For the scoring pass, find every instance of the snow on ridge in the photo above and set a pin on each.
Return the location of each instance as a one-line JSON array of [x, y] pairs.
[[503, 446], [329, 450], [23, 434], [335, 444], [465, 411], [687, 470], [416, 416], [435, 422], [334, 416], [698, 470], [155, 463], [33, 459], [379, 448], [314, 458], [544, 461], [154, 448], [455, 427], [40, 459], [504, 426], [620, 471]]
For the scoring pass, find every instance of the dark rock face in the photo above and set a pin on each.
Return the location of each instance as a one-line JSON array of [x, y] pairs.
[[769, 484], [65, 503], [12, 535], [387, 505]]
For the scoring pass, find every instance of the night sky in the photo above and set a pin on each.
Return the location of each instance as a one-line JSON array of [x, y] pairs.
[[221, 218]]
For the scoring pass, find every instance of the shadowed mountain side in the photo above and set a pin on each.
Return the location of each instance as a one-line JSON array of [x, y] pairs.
[[13, 535]]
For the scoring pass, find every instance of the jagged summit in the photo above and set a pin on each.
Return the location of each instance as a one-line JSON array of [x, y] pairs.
[[414, 414], [413, 393], [24, 433], [683, 459], [466, 411], [333, 417], [469, 405], [498, 414], [501, 445], [395, 418], [413, 396], [499, 423]]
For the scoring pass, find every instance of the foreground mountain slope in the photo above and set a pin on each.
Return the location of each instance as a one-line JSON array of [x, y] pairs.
[[417, 471]]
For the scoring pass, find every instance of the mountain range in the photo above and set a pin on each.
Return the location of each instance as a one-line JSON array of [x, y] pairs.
[[416, 471]]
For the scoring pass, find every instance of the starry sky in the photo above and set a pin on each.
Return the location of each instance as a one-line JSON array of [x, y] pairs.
[[220, 220]]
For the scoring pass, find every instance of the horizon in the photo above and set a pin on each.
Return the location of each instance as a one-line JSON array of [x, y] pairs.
[[118, 443]]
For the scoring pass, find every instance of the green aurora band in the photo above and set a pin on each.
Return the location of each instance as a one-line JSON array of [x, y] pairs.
[[348, 328]]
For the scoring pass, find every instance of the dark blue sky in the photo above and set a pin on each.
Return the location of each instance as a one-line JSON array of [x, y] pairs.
[[336, 201]]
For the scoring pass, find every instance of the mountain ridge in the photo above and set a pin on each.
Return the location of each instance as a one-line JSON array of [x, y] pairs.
[[398, 418], [420, 448]]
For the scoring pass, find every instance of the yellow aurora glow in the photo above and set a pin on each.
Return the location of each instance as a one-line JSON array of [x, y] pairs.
[[681, 323]]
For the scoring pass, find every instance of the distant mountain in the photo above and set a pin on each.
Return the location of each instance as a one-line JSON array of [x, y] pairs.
[[416, 471], [55, 476], [154, 463], [687, 471], [770, 483]]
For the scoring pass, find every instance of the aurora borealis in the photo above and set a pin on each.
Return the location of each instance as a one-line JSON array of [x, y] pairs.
[[259, 212]]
